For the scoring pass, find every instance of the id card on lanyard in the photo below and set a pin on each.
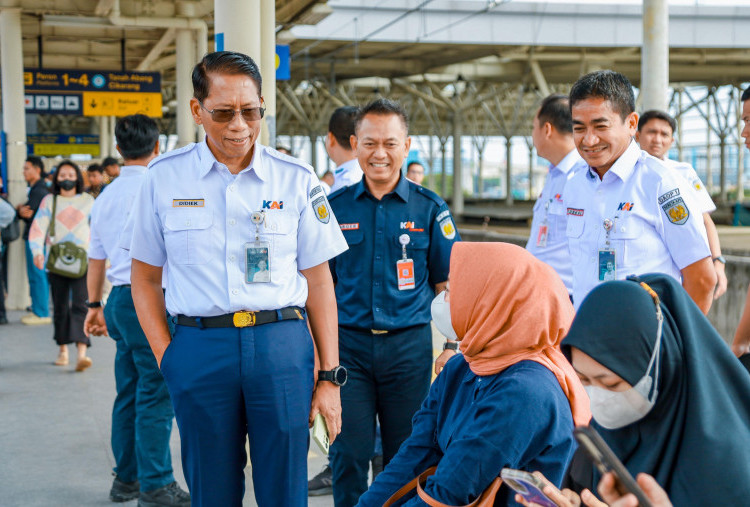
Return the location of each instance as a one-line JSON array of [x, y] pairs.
[[541, 237], [607, 256], [257, 258], [405, 266]]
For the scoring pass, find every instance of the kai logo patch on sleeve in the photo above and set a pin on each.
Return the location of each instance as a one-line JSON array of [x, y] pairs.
[[319, 205], [188, 203], [674, 207], [446, 224]]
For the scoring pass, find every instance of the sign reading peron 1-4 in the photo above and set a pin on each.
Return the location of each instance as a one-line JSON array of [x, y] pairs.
[[92, 92]]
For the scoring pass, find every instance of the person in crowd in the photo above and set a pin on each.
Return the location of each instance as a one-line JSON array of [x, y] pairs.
[[415, 172], [552, 134], [95, 176], [33, 173], [71, 218], [327, 181], [7, 214], [511, 399], [338, 145], [628, 208], [111, 166], [210, 210], [142, 413], [399, 235], [677, 405], [741, 344], [656, 136], [284, 149]]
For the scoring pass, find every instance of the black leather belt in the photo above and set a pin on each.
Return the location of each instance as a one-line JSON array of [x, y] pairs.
[[243, 319]]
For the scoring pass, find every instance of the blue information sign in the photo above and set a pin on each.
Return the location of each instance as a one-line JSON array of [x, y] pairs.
[[54, 80]]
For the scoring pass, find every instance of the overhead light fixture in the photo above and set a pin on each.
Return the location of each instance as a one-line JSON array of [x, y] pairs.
[[314, 15], [285, 37]]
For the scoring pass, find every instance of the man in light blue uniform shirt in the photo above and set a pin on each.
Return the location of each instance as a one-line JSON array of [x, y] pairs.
[[339, 149], [552, 134], [142, 413], [241, 361]]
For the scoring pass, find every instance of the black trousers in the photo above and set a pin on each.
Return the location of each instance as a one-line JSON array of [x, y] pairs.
[[69, 308]]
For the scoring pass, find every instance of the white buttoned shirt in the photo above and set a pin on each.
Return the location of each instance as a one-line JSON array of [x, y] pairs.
[[346, 174], [658, 226], [550, 211], [196, 215], [702, 196], [108, 218]]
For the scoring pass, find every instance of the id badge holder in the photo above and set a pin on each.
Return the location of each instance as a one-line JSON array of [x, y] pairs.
[[607, 258], [257, 255], [541, 237], [405, 267]]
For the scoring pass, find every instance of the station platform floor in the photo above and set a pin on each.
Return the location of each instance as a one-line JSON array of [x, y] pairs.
[[55, 424]]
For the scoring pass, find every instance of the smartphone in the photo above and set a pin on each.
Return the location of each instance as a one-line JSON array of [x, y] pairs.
[[606, 461], [526, 485], [320, 434]]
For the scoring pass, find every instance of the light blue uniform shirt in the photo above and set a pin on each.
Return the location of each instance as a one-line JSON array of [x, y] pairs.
[[108, 218], [192, 212]]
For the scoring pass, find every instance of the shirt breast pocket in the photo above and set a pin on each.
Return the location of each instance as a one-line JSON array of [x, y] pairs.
[[574, 233], [187, 235], [624, 235]]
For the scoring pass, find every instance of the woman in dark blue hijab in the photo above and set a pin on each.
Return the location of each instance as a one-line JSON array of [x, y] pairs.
[[676, 407]]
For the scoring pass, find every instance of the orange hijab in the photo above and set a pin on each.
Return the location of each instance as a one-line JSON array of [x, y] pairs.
[[507, 306]]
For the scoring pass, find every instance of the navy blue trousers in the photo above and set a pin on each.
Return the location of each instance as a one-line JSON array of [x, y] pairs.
[[142, 413], [389, 376], [227, 383]]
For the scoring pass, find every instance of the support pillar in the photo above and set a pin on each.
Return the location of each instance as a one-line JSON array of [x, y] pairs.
[[11, 76], [655, 55], [680, 137], [184, 68], [723, 168], [457, 201], [237, 27], [268, 70], [740, 151], [509, 171], [531, 171], [314, 152], [444, 170], [709, 175], [431, 175], [104, 136]]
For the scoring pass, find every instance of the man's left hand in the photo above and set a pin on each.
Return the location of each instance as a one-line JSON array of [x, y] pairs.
[[327, 402], [721, 280], [95, 323]]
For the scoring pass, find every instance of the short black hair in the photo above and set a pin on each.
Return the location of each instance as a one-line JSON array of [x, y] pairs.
[[608, 85], [413, 162], [223, 62], [136, 136], [110, 161], [382, 107], [95, 168], [56, 176], [342, 125], [655, 114], [556, 111], [745, 95], [36, 162]]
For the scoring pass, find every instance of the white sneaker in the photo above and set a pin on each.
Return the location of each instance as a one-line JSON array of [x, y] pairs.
[[35, 320]]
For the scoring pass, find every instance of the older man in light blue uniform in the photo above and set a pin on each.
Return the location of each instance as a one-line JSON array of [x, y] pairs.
[[142, 413], [241, 359]]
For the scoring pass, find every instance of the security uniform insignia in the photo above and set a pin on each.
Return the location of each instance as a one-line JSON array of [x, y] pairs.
[[320, 205], [674, 207], [446, 225]]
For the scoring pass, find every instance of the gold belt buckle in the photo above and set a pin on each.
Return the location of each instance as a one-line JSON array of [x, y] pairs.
[[378, 331], [243, 319]]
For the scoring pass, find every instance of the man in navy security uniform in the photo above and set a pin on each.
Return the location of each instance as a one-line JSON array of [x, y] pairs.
[[400, 236], [241, 362]]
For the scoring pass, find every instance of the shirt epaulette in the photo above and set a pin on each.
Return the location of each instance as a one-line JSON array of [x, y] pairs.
[[429, 194], [288, 158], [179, 151], [338, 192]]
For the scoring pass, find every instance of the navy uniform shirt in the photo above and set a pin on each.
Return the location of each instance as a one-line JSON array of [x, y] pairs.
[[366, 276]]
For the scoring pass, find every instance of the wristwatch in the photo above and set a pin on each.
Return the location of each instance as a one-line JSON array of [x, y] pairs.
[[720, 258], [337, 376], [94, 304], [450, 346]]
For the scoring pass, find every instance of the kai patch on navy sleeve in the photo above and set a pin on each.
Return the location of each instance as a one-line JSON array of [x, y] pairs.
[[446, 224], [674, 207], [319, 205]]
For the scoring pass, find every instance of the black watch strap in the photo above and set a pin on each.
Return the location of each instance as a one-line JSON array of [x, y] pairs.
[[93, 304], [336, 376], [450, 346], [720, 258]]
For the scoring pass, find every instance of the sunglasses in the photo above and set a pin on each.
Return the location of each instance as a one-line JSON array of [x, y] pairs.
[[227, 115]]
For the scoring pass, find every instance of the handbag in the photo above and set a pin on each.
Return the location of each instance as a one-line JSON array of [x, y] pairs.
[[486, 499], [12, 231], [66, 258]]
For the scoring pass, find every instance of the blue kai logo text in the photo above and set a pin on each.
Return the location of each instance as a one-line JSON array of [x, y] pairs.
[[273, 204]]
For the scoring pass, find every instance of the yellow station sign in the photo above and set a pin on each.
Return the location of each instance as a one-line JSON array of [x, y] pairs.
[[121, 104]]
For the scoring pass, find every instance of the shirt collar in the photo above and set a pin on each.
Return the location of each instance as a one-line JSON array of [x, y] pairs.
[[208, 161], [401, 190], [132, 170], [625, 165], [347, 166], [568, 162]]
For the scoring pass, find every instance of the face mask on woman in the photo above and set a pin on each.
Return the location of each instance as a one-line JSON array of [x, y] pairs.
[[614, 410], [67, 184], [441, 315]]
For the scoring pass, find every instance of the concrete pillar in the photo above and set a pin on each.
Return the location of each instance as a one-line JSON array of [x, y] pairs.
[[723, 168], [740, 152], [185, 63], [104, 136], [237, 27], [457, 201], [655, 55], [531, 171], [444, 171], [509, 171], [268, 69], [431, 174], [709, 175], [680, 137], [314, 152], [11, 77]]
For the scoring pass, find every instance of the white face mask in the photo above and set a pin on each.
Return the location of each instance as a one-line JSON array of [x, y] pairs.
[[441, 315], [614, 410]]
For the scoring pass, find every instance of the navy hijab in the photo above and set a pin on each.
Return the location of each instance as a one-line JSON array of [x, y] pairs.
[[696, 439]]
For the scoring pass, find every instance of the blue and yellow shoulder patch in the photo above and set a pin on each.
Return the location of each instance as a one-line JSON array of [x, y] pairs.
[[674, 207]]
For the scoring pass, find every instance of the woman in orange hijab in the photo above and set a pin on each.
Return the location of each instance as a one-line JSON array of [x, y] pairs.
[[511, 399]]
